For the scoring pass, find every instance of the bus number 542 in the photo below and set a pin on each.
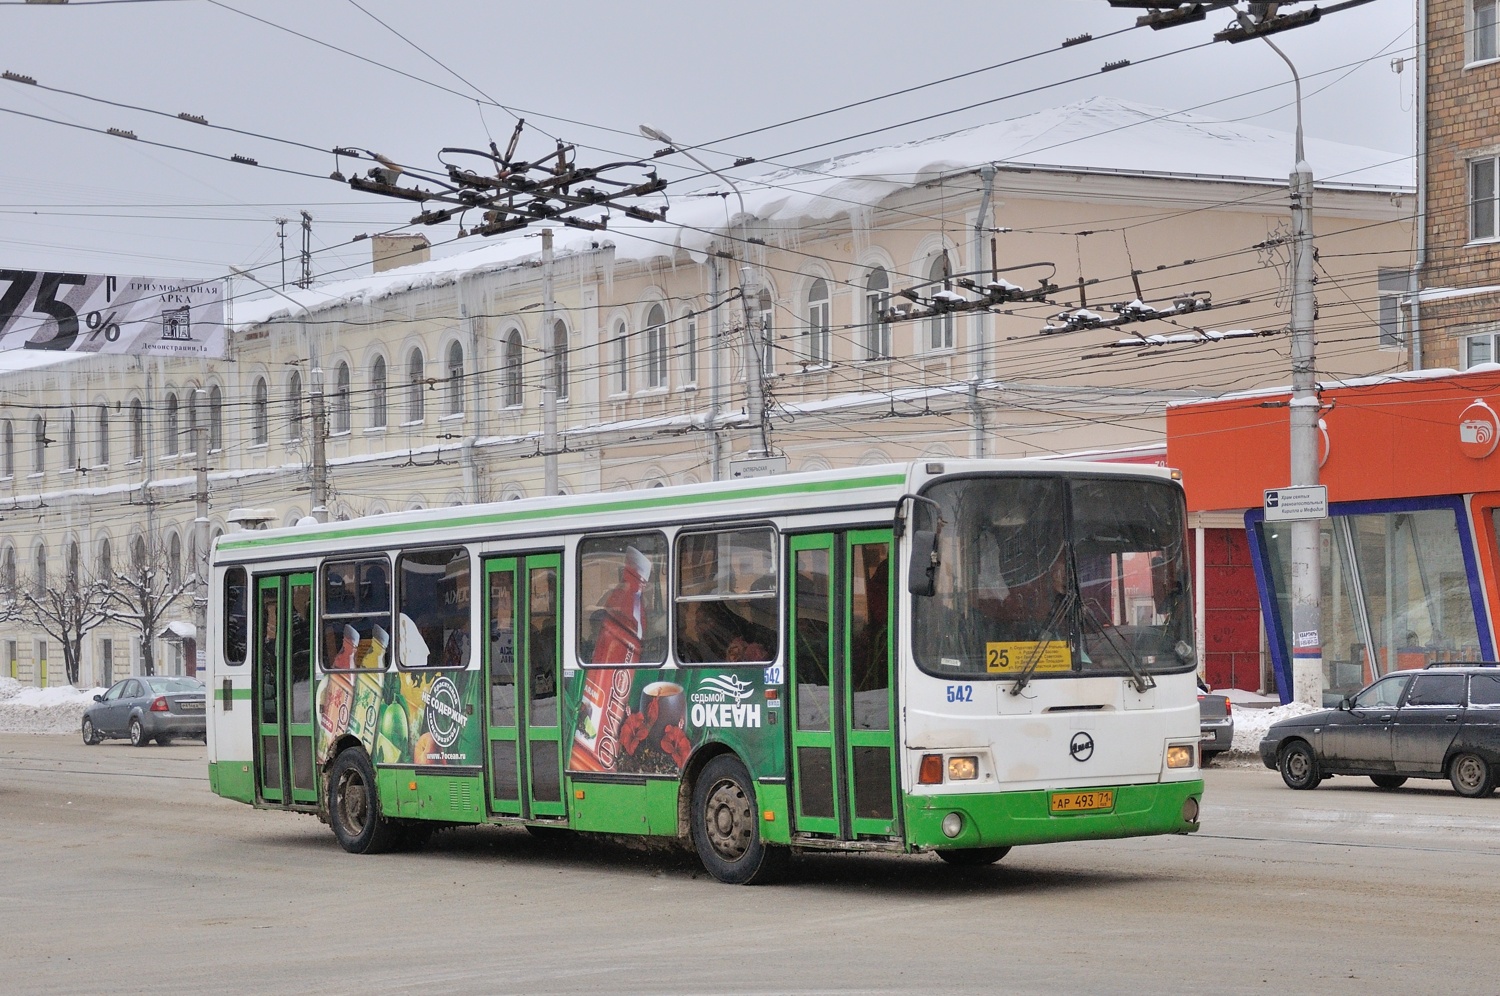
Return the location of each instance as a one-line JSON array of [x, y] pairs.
[[960, 693]]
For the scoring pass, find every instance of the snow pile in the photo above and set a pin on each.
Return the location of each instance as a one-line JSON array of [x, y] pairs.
[[1250, 725], [24, 709]]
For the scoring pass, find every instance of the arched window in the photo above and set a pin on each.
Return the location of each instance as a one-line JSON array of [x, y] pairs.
[[377, 394], [689, 348], [39, 443], [560, 360], [174, 561], [41, 568], [138, 554], [877, 300], [260, 417], [215, 418], [71, 446], [169, 440], [341, 379], [416, 378], [656, 347], [106, 560], [455, 378], [137, 430], [819, 335], [622, 360], [8, 449], [101, 454], [294, 407], [72, 567], [510, 370], [8, 572], [940, 327]]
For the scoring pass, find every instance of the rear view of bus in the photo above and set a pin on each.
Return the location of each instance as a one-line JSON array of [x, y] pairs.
[[1050, 691]]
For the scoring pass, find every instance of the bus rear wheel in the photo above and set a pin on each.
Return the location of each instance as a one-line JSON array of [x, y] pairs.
[[354, 807], [973, 857], [726, 825]]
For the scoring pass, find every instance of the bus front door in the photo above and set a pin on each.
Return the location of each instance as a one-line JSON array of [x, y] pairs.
[[840, 676], [522, 648], [283, 692]]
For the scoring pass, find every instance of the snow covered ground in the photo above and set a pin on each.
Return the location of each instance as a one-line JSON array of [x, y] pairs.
[[24, 709]]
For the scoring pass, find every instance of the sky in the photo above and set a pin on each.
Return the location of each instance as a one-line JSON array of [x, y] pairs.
[[296, 78]]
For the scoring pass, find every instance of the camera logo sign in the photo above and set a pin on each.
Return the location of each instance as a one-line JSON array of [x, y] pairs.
[[445, 714], [1478, 430]]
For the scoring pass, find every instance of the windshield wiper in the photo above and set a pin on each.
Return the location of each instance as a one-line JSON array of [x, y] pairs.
[[1138, 678], [1048, 628]]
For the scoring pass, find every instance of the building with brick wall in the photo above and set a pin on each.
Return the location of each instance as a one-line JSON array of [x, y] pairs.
[[1454, 319]]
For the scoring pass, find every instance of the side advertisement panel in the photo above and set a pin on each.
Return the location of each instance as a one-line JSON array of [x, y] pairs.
[[404, 717]]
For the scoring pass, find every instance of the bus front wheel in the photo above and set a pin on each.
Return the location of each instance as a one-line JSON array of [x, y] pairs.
[[354, 806], [726, 825]]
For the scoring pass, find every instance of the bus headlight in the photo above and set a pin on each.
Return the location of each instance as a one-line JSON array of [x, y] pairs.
[[963, 769], [953, 824], [1179, 756]]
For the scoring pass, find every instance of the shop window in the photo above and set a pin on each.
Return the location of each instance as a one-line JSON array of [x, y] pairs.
[[726, 597]]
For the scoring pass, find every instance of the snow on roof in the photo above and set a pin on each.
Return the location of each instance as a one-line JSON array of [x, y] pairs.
[[1102, 135]]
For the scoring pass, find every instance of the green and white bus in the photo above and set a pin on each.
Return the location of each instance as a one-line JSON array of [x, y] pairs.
[[949, 656]]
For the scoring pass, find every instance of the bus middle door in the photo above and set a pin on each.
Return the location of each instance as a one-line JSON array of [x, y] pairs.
[[840, 676], [283, 692], [522, 648]]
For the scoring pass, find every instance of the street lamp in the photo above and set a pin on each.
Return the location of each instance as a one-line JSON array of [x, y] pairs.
[[1307, 567], [748, 289]]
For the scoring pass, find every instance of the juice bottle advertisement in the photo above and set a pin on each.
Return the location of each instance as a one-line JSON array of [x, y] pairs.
[[403, 717]]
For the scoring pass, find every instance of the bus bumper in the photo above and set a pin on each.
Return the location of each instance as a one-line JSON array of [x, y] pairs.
[[1000, 819]]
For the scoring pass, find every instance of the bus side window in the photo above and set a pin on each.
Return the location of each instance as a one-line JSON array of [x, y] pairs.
[[622, 609], [236, 615], [433, 609], [727, 597], [354, 630]]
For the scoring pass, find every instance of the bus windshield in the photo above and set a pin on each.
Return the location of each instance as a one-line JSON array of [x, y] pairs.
[[1055, 576]]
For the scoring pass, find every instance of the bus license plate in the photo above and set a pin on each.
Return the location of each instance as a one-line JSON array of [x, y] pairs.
[[1081, 802]]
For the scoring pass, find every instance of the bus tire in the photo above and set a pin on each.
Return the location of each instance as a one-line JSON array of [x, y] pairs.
[[725, 825], [973, 857], [354, 806]]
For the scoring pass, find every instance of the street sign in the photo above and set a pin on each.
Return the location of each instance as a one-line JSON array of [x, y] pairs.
[[1303, 502], [740, 470]]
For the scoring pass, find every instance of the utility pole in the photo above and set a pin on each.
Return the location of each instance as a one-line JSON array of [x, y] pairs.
[[281, 237], [306, 280], [978, 323], [200, 543], [1307, 566], [755, 333], [549, 373]]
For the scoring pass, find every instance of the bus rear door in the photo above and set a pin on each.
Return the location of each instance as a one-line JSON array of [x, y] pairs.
[[283, 691], [840, 675], [522, 648]]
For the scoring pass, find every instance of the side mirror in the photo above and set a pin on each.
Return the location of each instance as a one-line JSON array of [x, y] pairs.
[[921, 578], [1346, 703], [98, 698]]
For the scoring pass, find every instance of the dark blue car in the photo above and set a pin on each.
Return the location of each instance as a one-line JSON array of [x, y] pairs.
[[1439, 722]]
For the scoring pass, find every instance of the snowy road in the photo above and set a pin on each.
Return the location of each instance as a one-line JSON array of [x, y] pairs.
[[1345, 889]]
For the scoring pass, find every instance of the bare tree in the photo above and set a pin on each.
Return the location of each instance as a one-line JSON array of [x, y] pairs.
[[144, 594], [67, 613]]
